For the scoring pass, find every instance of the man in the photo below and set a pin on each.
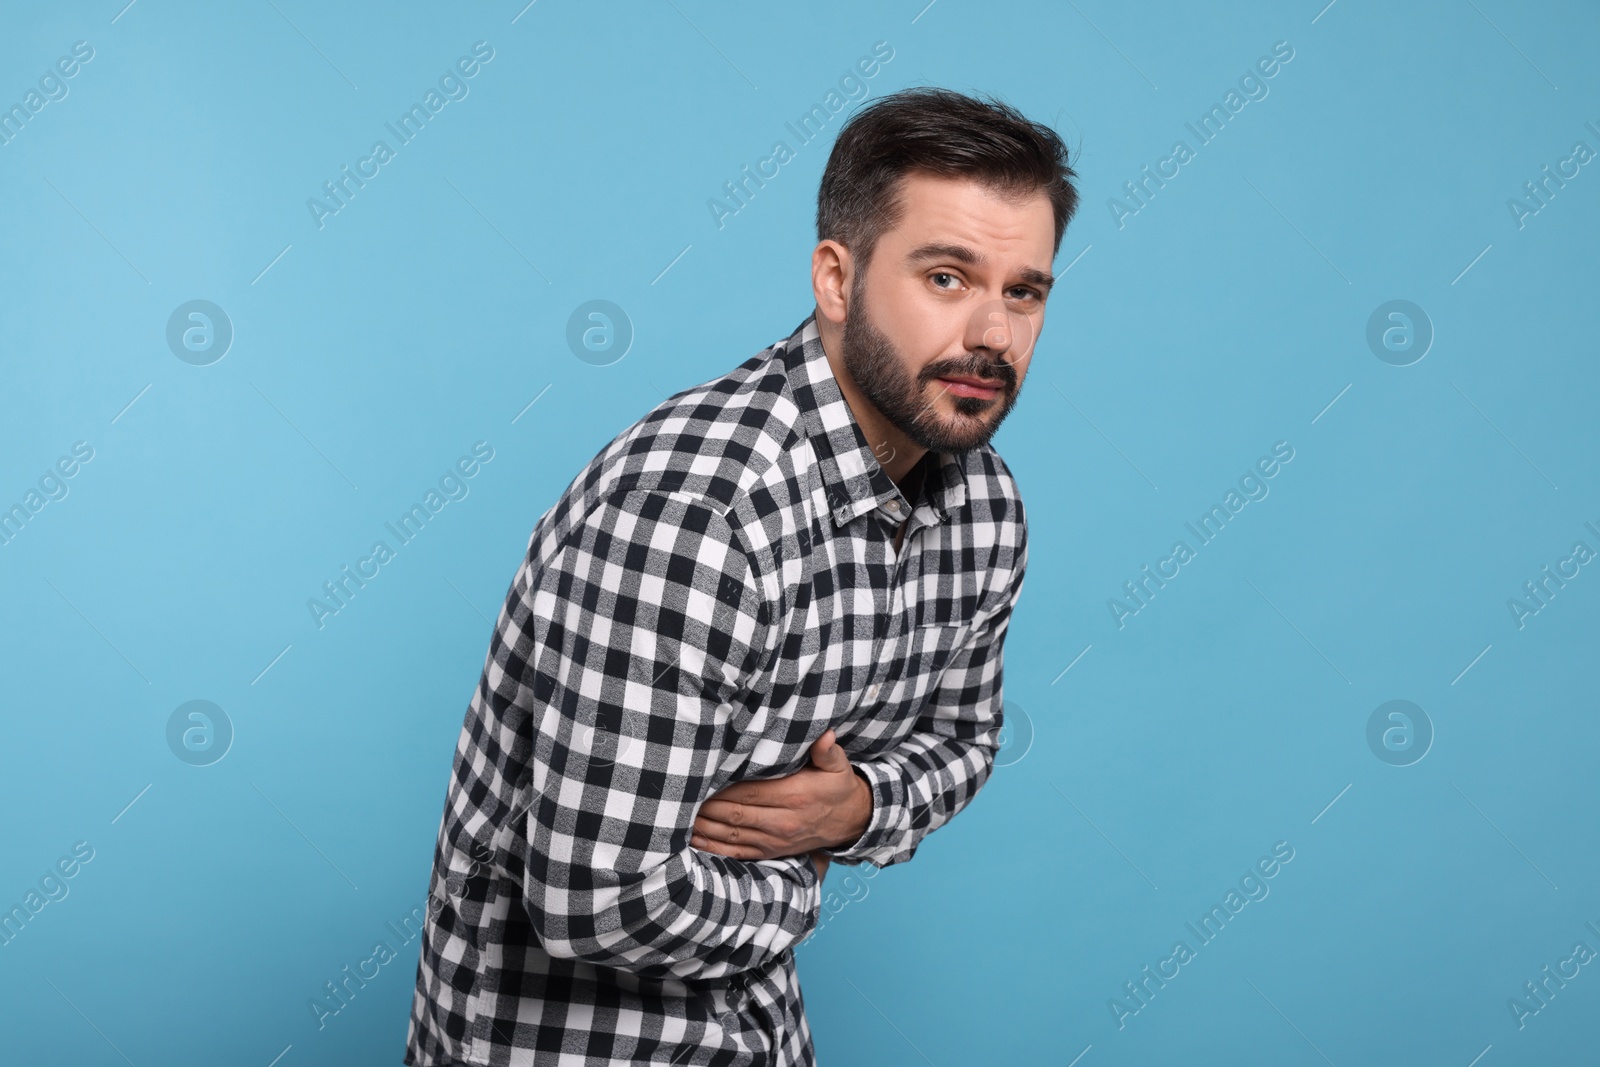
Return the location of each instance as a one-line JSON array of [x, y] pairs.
[[760, 632]]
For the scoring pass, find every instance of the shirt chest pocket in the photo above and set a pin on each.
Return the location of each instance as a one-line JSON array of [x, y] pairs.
[[903, 682], [929, 649]]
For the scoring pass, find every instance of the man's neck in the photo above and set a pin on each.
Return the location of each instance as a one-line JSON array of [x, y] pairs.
[[911, 483]]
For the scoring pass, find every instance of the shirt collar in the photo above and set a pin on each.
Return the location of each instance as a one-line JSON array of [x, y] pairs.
[[856, 483]]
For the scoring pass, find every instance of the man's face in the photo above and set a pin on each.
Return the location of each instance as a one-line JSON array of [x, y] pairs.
[[942, 323]]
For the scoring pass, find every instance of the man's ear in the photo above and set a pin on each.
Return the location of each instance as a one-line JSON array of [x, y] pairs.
[[832, 271]]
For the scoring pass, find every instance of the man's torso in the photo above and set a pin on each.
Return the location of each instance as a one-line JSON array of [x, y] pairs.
[[862, 632]]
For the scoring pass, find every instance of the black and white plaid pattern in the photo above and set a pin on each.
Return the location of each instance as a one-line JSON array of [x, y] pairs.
[[716, 589]]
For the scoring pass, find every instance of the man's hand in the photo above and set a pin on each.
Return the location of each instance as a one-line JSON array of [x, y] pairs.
[[821, 806]]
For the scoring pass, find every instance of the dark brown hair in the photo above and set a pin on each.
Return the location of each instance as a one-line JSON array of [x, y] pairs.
[[942, 132]]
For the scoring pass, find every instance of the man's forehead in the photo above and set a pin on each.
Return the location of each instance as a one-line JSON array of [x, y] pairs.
[[941, 214]]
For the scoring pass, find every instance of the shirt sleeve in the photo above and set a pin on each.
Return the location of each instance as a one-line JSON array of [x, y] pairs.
[[627, 650], [927, 779]]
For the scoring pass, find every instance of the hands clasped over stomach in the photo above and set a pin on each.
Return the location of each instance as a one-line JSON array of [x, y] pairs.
[[821, 806]]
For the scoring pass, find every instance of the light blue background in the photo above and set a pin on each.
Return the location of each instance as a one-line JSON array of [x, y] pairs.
[[1228, 314]]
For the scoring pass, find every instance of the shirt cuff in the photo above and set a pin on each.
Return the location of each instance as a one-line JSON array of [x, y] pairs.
[[875, 845]]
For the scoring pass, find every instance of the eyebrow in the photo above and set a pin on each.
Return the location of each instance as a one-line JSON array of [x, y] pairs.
[[963, 254]]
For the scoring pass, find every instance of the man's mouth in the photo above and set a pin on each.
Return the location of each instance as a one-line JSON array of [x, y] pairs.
[[968, 385]]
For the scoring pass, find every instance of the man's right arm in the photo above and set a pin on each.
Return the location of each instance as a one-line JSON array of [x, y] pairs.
[[626, 651]]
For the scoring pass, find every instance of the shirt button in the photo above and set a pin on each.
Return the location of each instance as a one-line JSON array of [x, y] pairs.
[[895, 509], [872, 692]]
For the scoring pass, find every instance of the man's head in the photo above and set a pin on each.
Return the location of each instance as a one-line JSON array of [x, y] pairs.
[[938, 218]]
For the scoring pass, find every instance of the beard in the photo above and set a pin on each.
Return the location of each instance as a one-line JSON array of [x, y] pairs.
[[911, 403]]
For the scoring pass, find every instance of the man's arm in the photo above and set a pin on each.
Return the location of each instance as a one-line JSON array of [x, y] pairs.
[[911, 791], [925, 780], [626, 651]]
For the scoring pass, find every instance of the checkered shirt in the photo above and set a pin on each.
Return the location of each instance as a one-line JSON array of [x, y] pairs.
[[716, 588]]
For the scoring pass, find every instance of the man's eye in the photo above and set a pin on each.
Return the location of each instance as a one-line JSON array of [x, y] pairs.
[[942, 274], [1024, 293]]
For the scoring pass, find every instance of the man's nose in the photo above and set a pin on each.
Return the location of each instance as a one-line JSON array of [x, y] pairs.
[[996, 331], [1001, 331]]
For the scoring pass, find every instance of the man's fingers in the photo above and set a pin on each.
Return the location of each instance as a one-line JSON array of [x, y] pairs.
[[738, 852], [763, 794], [741, 843], [742, 836], [741, 822], [731, 812], [736, 813]]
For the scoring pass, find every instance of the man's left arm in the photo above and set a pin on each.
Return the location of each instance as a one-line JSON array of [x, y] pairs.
[[925, 780], [909, 792]]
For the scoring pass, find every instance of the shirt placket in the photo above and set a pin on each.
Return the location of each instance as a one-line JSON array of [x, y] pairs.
[[889, 628]]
